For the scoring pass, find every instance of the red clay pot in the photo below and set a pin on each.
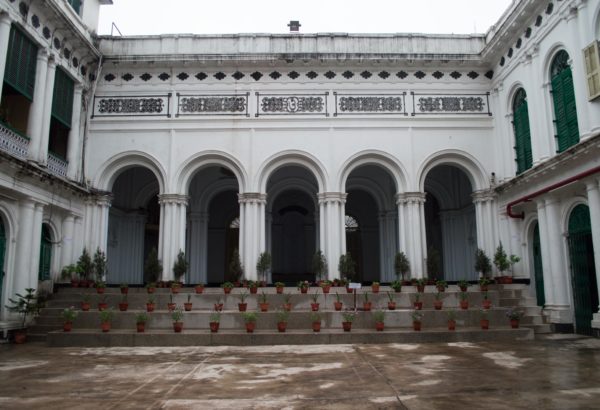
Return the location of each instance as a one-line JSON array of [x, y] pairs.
[[254, 290], [452, 325], [123, 307], [367, 306], [441, 288], [199, 289], [124, 291], [149, 307], [175, 290], [214, 327], [375, 288], [303, 290], [264, 307], [514, 323], [417, 326], [314, 307], [485, 324], [464, 304], [279, 290], [150, 290], [486, 304], [326, 289], [347, 326], [187, 307], [102, 306], [348, 290], [105, 326], [218, 307], [227, 291], [316, 326], [67, 326], [379, 326], [437, 304], [20, 336], [140, 327], [100, 291], [287, 306], [418, 305], [483, 288], [177, 327], [281, 326], [250, 326], [171, 307], [242, 307], [463, 288], [85, 306], [337, 306], [420, 288], [392, 305]]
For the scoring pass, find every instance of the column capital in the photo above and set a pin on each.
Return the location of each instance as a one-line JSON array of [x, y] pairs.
[[410, 198], [5, 17], [335, 197], [591, 183], [484, 195], [252, 198], [173, 199]]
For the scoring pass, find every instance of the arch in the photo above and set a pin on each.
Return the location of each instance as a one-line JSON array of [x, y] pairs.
[[291, 157], [460, 159], [212, 190], [568, 205], [289, 184], [549, 58], [364, 184], [186, 172], [514, 88], [113, 167], [373, 157], [522, 132]]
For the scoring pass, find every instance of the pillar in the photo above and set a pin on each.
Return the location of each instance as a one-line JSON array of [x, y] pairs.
[[173, 210], [485, 214], [74, 143], [24, 249], [543, 227], [198, 246], [593, 194], [5, 23], [416, 239], [66, 255], [36, 113], [36, 244], [252, 230], [332, 229], [47, 112]]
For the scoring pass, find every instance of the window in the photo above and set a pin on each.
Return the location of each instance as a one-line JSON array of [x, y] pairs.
[[62, 111], [75, 4], [45, 254], [592, 70], [351, 224], [524, 158], [563, 96]]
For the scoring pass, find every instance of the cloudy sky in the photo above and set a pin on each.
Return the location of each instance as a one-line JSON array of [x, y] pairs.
[[134, 17]]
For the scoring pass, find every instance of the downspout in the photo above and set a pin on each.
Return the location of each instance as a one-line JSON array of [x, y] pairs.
[[552, 187]]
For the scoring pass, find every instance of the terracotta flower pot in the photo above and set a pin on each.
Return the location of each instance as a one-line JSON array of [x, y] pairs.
[[303, 290], [416, 326], [281, 326], [242, 307], [124, 291], [227, 291], [123, 307], [279, 290], [177, 327], [214, 327], [150, 290], [316, 326], [379, 326], [348, 290], [171, 307], [464, 304], [105, 326], [100, 291], [441, 288], [326, 289], [347, 326], [337, 306], [140, 327], [375, 288], [485, 324], [451, 324], [149, 307], [287, 307], [67, 326], [254, 290], [187, 307], [20, 336], [483, 288], [199, 289], [514, 323], [85, 306], [486, 304], [392, 305], [418, 305], [218, 307], [420, 288], [102, 306], [463, 288], [175, 290], [264, 307], [74, 283], [367, 306], [437, 304], [314, 307], [250, 326]]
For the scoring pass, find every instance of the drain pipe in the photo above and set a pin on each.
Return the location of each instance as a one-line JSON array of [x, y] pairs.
[[552, 187]]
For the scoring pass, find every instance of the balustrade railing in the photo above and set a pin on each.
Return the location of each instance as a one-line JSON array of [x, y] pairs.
[[57, 166], [12, 142]]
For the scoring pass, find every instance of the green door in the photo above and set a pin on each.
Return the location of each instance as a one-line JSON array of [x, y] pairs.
[[583, 273], [2, 253], [537, 267], [45, 254]]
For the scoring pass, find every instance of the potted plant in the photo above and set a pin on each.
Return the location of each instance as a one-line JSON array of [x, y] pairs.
[[279, 286], [199, 288], [418, 304], [483, 283], [123, 305], [106, 317], [100, 287], [486, 303], [379, 316], [236, 269], [68, 315], [417, 317], [346, 267], [463, 285], [242, 306], [140, 321], [325, 286], [375, 287], [397, 286], [501, 262], [85, 303], [85, 267], [102, 305], [483, 320], [401, 266], [441, 285], [319, 265], [438, 302], [282, 318], [315, 318], [433, 263], [171, 305], [514, 315], [314, 306], [215, 319], [71, 273], [150, 304], [250, 320], [338, 302], [187, 306], [180, 266], [303, 285], [513, 259], [451, 320], [482, 263], [177, 316], [391, 301], [253, 286], [227, 286], [287, 304], [124, 288], [175, 287], [420, 285], [263, 302], [263, 264], [367, 304], [348, 319], [218, 305], [151, 287], [464, 300], [152, 266]]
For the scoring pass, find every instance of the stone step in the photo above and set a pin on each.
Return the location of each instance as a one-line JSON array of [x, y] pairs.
[[95, 338], [542, 328]]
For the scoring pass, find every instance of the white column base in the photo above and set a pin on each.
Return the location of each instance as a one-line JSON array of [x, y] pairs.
[[596, 321], [558, 313]]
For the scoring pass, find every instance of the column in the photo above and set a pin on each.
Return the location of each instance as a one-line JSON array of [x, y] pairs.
[[35, 245], [197, 248], [24, 249], [74, 145], [543, 227], [103, 204], [401, 204], [332, 229], [4, 38], [580, 33], [36, 113], [172, 234], [66, 255], [47, 111], [78, 238], [560, 309], [593, 194], [252, 230], [416, 232], [485, 220]]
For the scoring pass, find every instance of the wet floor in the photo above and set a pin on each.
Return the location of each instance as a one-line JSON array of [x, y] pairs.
[[555, 373]]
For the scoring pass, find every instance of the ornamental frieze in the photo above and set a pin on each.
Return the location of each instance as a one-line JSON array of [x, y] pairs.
[[127, 106], [348, 104], [451, 104], [291, 104], [222, 104]]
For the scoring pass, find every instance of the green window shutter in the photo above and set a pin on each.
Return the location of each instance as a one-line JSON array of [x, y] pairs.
[[76, 4], [570, 106], [563, 96], [45, 254], [524, 157], [21, 63], [62, 99]]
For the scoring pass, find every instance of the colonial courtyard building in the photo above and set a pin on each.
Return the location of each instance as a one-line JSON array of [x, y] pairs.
[[291, 143]]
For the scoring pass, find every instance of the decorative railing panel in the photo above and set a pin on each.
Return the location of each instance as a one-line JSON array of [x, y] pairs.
[[12, 142], [221, 104], [428, 104], [361, 104], [57, 166], [291, 104], [132, 106]]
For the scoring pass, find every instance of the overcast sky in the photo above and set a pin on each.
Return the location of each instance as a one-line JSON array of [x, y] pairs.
[[135, 17]]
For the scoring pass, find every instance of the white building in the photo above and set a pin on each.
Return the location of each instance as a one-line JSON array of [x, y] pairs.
[[368, 144]]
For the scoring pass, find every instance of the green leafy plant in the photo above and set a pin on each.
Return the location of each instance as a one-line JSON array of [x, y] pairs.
[[401, 265], [106, 316], [180, 266], [99, 264], [439, 296], [315, 296], [315, 317], [303, 284], [441, 284], [337, 297], [482, 263], [227, 285], [69, 272], [236, 269], [514, 259], [416, 315], [346, 266], [282, 316], [366, 297], [463, 296], [85, 264], [69, 314], [215, 317], [484, 281], [152, 266], [287, 297], [279, 284], [26, 305], [348, 316], [262, 297], [263, 264], [100, 284], [243, 296], [514, 313], [141, 317], [319, 265], [249, 317], [177, 315], [463, 284], [124, 286], [151, 300], [501, 260], [379, 316], [391, 296], [396, 285]]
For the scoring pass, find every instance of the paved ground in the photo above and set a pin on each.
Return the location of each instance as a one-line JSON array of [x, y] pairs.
[[556, 373]]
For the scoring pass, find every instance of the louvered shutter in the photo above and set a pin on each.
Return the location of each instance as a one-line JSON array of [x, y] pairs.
[[565, 109], [522, 138], [62, 99], [76, 4], [21, 63]]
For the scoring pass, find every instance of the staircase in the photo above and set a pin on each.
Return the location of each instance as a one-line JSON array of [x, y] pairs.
[[398, 323]]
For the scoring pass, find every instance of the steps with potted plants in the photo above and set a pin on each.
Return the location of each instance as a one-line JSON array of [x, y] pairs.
[[159, 332], [516, 295]]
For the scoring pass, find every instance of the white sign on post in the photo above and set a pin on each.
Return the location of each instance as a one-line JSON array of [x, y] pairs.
[[354, 285]]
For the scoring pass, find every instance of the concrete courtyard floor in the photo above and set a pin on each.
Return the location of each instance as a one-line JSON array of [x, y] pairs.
[[556, 372]]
